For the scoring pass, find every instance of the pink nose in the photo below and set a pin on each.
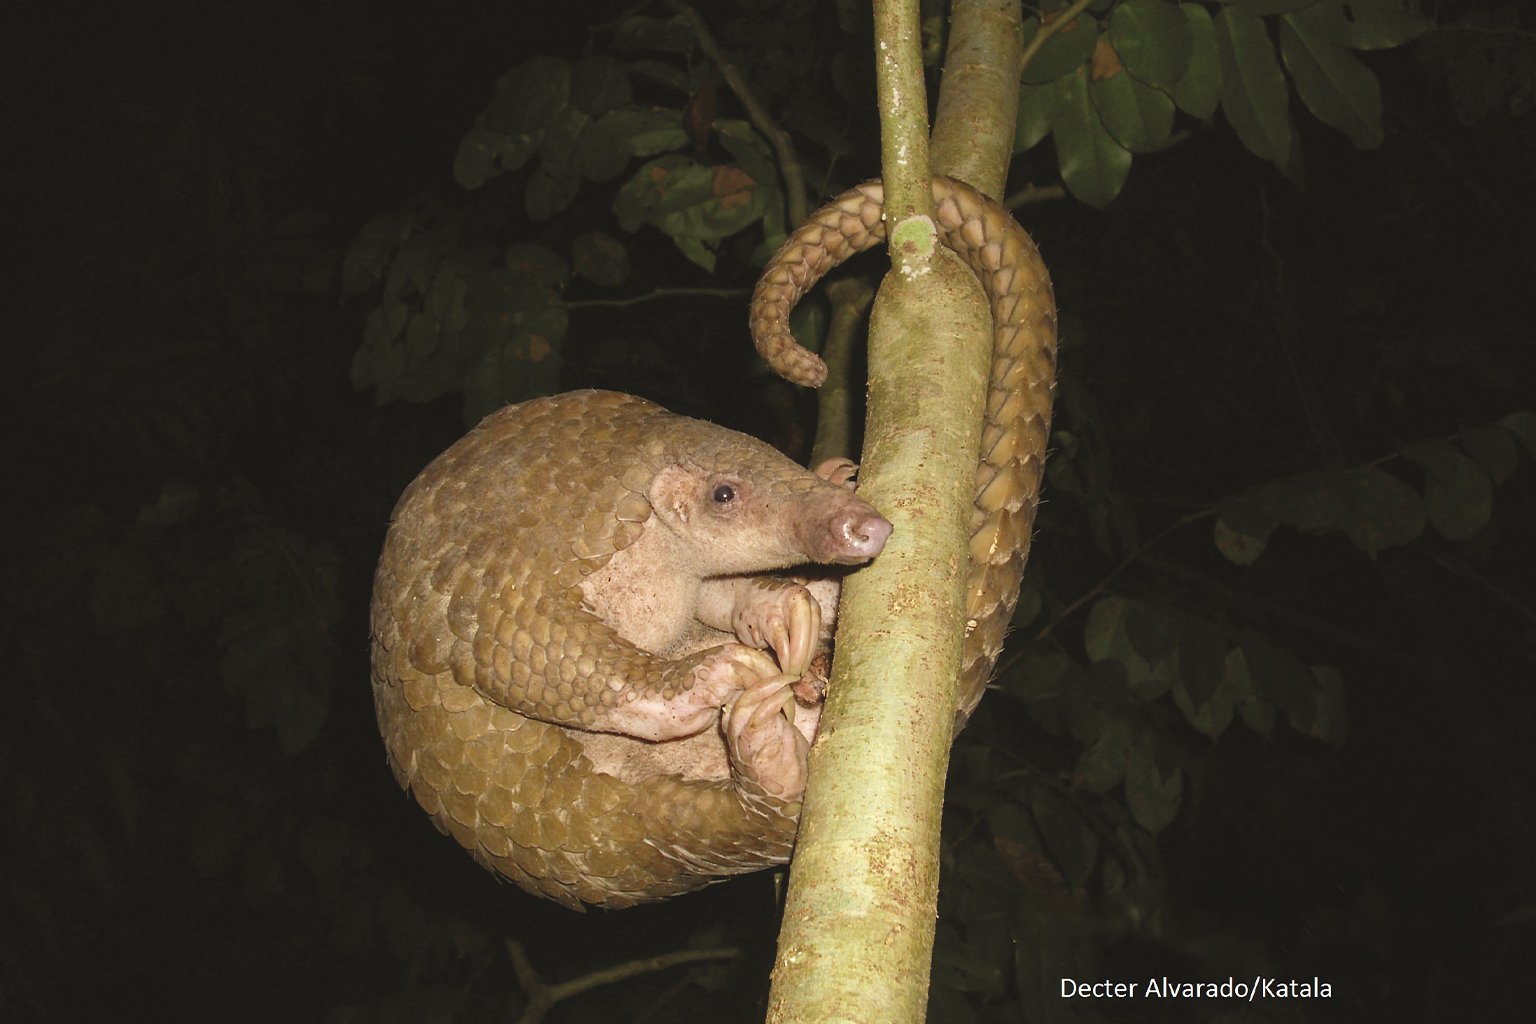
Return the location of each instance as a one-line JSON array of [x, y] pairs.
[[861, 534]]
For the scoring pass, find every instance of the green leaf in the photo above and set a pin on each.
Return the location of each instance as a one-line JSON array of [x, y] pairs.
[[1066, 51], [444, 299], [609, 143], [598, 85], [1378, 510], [1036, 107], [528, 365], [601, 153], [1253, 91], [1104, 632], [512, 347], [1458, 496], [1135, 637], [1153, 40], [1031, 605], [1280, 678], [371, 251], [741, 140], [1093, 165], [557, 151], [669, 75], [415, 265], [1256, 712], [1239, 546], [531, 103], [1102, 764], [1138, 116], [1152, 794], [431, 360], [1244, 524], [692, 203], [514, 326], [1201, 689], [515, 150], [645, 133], [1072, 847], [1374, 508], [379, 359], [1152, 630], [1334, 85], [1266, 7], [1199, 90], [1043, 676], [548, 192], [1365, 24], [475, 162], [668, 35], [528, 96]]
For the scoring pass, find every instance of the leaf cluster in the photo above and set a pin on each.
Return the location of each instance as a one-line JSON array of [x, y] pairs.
[[1110, 78], [1377, 509]]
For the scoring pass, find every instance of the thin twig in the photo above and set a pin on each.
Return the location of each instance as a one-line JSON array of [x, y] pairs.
[[1099, 587], [542, 996], [757, 113], [1458, 566], [1048, 29], [658, 295], [1031, 194]]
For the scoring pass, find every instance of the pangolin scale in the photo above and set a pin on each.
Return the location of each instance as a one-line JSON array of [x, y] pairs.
[[1011, 464], [571, 607]]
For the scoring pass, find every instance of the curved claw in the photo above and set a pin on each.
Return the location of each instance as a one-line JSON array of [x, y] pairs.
[[781, 615], [766, 750], [838, 470], [749, 667], [778, 704], [794, 637]]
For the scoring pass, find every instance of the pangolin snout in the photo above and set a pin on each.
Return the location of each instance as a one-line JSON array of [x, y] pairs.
[[854, 534]]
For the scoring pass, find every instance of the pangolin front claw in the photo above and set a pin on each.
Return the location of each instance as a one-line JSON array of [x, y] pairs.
[[767, 752], [782, 616]]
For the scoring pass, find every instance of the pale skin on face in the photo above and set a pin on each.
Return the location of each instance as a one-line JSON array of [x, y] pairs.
[[677, 614]]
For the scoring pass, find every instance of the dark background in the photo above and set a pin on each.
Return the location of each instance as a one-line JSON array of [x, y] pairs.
[[199, 823]]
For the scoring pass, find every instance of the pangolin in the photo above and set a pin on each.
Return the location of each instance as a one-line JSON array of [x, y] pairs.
[[574, 602]]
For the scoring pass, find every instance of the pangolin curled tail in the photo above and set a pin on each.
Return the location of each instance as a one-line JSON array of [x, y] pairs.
[[1011, 461]]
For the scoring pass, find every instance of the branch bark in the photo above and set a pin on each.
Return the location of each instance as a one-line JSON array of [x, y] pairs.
[[857, 939]]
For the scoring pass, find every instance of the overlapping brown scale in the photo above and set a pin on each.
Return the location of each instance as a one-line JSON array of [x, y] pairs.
[[432, 772], [1014, 437], [426, 794], [476, 611], [523, 737], [602, 861]]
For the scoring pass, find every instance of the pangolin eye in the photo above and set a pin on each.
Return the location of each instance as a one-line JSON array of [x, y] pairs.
[[724, 494]]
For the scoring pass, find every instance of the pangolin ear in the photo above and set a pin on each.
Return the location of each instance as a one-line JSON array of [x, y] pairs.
[[673, 493]]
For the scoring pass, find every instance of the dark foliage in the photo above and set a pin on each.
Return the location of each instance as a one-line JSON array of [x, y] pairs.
[[198, 819]]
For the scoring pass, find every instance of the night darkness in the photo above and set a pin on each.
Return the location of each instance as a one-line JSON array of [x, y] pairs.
[[198, 817]]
